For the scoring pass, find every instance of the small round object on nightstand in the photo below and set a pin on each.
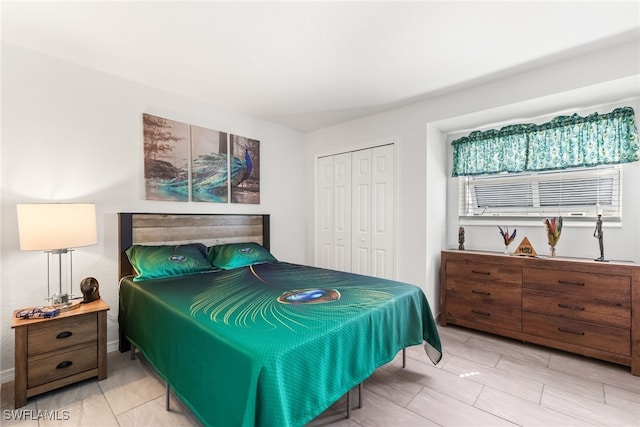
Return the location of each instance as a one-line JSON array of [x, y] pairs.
[[89, 287]]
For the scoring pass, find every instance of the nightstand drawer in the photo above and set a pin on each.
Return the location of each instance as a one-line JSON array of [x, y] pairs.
[[61, 364], [50, 336]]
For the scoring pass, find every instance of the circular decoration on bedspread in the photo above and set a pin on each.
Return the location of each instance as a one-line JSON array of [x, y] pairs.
[[309, 296]]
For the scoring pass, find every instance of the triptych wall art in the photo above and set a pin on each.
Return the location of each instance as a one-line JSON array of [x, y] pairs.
[[184, 162]]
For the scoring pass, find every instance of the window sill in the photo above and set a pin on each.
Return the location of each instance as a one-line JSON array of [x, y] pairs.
[[607, 222]]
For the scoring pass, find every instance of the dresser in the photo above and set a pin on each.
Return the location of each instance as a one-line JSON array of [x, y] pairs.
[[581, 306], [58, 351]]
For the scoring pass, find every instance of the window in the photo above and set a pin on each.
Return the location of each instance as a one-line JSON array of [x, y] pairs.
[[569, 193], [568, 166]]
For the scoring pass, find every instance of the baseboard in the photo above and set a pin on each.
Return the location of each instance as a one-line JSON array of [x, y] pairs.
[[7, 375], [112, 346], [10, 374]]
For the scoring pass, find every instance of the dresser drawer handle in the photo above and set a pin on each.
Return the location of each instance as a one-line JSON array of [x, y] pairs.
[[566, 282], [486, 273], [570, 331], [481, 313], [64, 364], [473, 291], [571, 307], [65, 334]]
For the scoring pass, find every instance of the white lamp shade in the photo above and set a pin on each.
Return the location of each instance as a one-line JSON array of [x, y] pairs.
[[51, 226]]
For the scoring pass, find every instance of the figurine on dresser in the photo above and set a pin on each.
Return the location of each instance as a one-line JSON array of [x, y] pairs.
[[598, 234]]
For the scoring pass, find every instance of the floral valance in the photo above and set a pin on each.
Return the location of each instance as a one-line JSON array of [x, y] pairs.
[[564, 142]]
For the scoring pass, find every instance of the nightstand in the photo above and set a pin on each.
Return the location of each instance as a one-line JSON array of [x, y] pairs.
[[58, 351]]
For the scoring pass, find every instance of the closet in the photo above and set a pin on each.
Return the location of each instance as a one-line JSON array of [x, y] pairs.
[[355, 212]]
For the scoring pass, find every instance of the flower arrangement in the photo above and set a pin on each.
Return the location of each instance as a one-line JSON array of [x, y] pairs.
[[506, 237], [554, 229]]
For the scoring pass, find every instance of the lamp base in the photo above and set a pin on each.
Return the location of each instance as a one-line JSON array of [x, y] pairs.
[[66, 306]]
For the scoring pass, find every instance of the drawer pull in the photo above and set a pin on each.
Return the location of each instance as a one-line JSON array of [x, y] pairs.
[[570, 331], [64, 364], [481, 313], [571, 307], [473, 291], [65, 334], [486, 273], [566, 282]]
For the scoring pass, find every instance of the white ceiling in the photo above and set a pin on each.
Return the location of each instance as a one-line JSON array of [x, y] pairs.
[[307, 65]]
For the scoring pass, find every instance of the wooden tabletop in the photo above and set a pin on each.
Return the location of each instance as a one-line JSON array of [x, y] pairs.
[[83, 308]]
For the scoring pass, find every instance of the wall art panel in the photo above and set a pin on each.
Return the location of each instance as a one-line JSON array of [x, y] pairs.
[[166, 159], [245, 169], [210, 165]]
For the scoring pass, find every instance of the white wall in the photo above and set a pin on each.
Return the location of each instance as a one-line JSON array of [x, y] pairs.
[[426, 225], [71, 134]]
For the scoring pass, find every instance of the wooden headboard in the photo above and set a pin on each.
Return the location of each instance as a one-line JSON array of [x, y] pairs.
[[174, 229]]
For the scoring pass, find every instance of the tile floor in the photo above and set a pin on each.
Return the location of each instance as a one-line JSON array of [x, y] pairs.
[[482, 380]]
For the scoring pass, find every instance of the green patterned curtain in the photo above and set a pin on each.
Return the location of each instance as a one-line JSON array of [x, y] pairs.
[[564, 142]]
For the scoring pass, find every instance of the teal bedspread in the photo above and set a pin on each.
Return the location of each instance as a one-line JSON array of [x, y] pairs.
[[271, 344]]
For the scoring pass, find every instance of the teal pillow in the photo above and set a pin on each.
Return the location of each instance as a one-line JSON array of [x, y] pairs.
[[234, 255], [153, 262]]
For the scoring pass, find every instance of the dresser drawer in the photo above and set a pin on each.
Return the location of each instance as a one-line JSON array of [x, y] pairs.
[[61, 333], [498, 293], [487, 313], [600, 337], [43, 369], [578, 307], [475, 271], [614, 289]]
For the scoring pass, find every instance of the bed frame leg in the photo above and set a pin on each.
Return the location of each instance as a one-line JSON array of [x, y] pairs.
[[349, 400], [133, 352], [168, 398], [404, 358]]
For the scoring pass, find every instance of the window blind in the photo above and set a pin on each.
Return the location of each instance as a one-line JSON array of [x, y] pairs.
[[575, 193]]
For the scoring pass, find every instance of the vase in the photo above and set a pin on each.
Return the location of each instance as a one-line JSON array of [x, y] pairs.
[[553, 251], [506, 250]]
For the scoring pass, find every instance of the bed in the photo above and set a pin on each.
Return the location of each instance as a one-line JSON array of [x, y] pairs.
[[257, 341]]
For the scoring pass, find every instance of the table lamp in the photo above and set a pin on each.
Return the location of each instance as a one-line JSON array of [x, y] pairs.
[[57, 228]]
